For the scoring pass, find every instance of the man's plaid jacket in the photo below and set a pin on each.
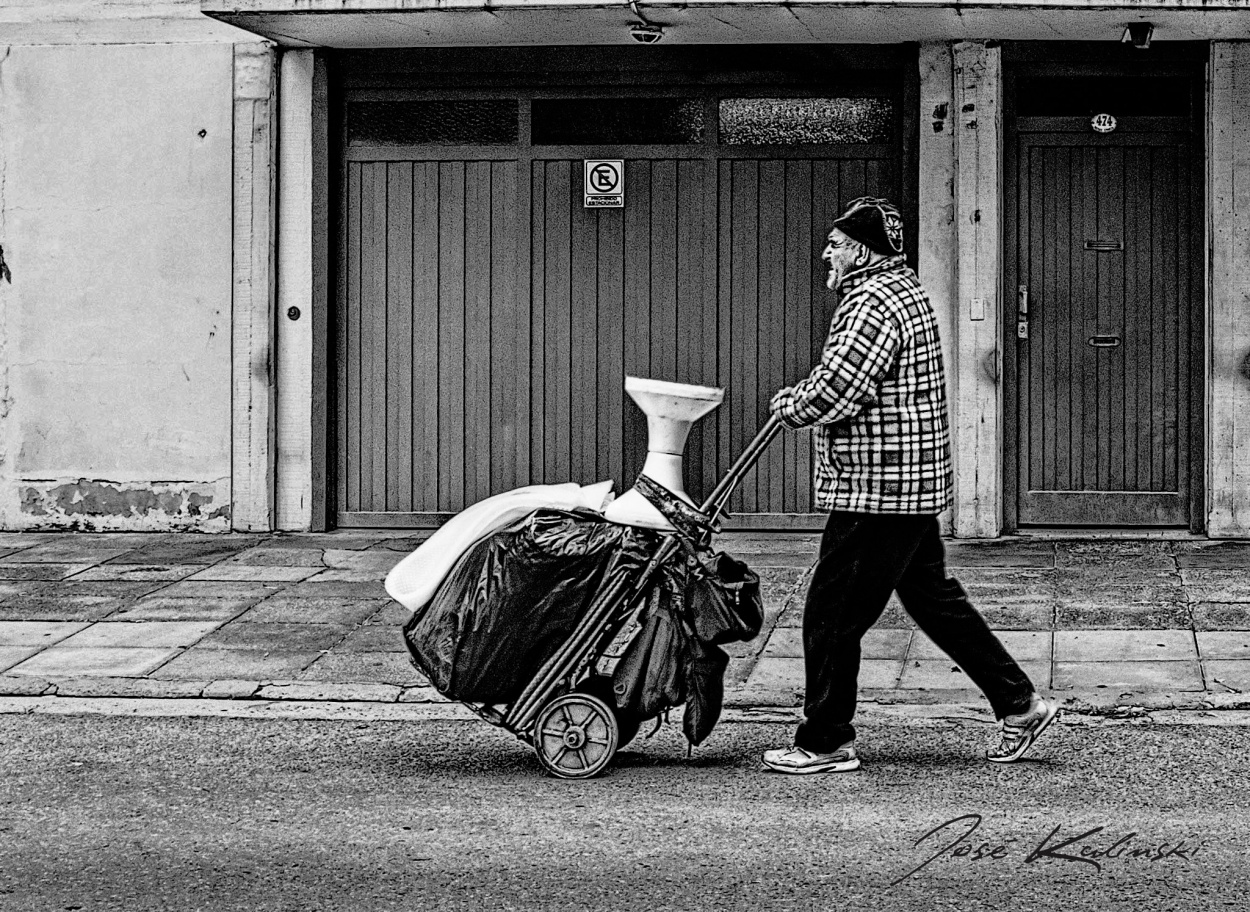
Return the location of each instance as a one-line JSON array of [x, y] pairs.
[[878, 399]]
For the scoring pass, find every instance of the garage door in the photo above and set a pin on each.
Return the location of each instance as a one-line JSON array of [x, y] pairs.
[[487, 318]]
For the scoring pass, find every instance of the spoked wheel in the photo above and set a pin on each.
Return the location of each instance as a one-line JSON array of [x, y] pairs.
[[575, 736]]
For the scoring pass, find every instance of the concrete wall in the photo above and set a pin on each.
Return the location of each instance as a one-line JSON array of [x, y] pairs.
[[115, 221]]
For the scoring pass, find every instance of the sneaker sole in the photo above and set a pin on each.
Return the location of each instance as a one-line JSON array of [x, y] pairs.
[[842, 766], [1023, 749]]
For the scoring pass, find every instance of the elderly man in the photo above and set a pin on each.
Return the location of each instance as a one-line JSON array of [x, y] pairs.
[[878, 402]]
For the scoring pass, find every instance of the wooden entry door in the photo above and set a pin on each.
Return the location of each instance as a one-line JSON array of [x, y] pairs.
[[1103, 304]]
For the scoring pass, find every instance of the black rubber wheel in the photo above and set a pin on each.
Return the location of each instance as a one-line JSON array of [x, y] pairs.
[[627, 723]]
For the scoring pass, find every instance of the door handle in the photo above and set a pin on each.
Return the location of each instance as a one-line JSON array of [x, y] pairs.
[[1104, 341], [1022, 312]]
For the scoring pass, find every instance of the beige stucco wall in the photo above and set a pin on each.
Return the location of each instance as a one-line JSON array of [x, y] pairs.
[[115, 219]]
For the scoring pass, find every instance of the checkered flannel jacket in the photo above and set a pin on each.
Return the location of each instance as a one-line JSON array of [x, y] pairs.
[[877, 399]]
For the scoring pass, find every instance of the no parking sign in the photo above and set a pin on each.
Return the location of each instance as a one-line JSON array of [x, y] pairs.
[[604, 184]]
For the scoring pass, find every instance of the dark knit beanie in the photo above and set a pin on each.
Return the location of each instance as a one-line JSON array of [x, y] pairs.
[[875, 223]]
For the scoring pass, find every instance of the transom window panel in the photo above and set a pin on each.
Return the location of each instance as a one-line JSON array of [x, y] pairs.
[[489, 122], [1122, 96], [796, 121], [617, 121]]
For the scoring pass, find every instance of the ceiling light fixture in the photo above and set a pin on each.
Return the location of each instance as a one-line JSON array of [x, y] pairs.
[[1138, 34]]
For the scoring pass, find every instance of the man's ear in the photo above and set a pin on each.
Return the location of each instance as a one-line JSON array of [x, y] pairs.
[[862, 255]]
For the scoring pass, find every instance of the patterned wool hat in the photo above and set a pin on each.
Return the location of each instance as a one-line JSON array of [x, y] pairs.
[[875, 223]]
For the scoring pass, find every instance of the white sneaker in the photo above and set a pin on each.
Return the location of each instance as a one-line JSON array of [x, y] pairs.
[[1019, 732], [798, 761]]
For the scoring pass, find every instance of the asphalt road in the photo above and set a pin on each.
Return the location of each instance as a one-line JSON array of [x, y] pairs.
[[110, 813]]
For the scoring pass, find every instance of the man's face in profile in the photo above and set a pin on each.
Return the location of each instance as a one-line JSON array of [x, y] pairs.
[[839, 255]]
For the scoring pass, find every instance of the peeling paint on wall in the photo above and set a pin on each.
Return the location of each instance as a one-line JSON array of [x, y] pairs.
[[93, 505]]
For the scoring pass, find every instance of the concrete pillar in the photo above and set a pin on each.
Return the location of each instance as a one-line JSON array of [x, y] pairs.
[[252, 380], [976, 119], [936, 227], [302, 294], [1228, 417]]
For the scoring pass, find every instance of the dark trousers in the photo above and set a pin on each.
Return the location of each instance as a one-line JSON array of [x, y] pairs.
[[863, 558]]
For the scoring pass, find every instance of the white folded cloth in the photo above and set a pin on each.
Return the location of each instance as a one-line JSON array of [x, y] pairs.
[[413, 581]]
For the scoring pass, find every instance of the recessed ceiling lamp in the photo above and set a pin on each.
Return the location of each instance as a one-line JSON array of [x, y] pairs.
[[642, 31], [1138, 34]]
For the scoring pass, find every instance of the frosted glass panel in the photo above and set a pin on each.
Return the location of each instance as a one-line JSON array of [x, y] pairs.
[[792, 121]]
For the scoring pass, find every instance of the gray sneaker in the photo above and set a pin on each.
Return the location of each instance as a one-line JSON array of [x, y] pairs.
[[1020, 731], [798, 761]]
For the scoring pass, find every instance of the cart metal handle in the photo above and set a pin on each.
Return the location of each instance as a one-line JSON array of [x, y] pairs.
[[715, 503]]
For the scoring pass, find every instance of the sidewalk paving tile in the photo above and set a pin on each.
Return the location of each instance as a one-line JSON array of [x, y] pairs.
[[45, 572], [218, 589], [1217, 585], [381, 561], [327, 577], [1224, 675], [128, 687], [394, 615], [943, 674], [230, 689], [26, 539], [65, 661], [1124, 646], [324, 690], [142, 633], [187, 549], [284, 609], [161, 608], [314, 588], [56, 607], [1221, 616], [24, 686], [237, 664], [1140, 676], [1000, 554], [402, 544], [278, 557], [1225, 555], [120, 589], [372, 667], [1234, 644], [1024, 646], [1021, 617], [1163, 616], [234, 573], [422, 695], [787, 674], [10, 589], [797, 560], [37, 633], [12, 655], [787, 642], [70, 552], [1115, 556], [274, 637], [141, 572], [374, 638]]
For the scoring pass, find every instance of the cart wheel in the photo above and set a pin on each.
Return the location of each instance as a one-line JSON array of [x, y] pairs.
[[575, 736]]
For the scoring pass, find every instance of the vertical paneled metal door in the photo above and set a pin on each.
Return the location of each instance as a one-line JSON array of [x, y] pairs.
[[1103, 310], [488, 319]]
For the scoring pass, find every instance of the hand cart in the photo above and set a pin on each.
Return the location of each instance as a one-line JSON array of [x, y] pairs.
[[573, 725]]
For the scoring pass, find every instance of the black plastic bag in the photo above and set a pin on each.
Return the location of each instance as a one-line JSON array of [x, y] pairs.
[[515, 597], [704, 600]]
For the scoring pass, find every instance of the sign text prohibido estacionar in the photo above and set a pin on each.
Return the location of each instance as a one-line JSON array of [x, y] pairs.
[[604, 184]]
